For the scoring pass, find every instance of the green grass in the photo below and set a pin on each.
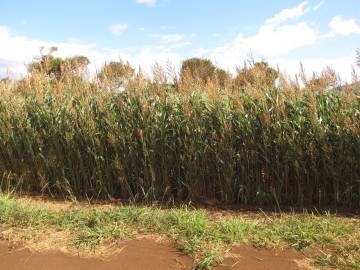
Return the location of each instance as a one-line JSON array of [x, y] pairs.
[[193, 231]]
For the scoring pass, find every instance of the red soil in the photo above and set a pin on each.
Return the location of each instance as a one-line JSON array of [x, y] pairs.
[[135, 255], [145, 254], [249, 258]]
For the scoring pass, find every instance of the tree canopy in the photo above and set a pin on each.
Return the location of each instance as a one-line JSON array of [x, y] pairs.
[[259, 73], [56, 67], [203, 70], [116, 74]]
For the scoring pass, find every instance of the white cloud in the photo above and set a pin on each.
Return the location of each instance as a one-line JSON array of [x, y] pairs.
[[16, 51], [274, 38], [172, 41], [150, 3], [288, 13], [339, 26], [118, 28], [179, 45], [170, 38], [274, 41], [318, 6], [342, 65]]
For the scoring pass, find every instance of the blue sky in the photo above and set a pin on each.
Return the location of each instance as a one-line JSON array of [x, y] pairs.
[[316, 32]]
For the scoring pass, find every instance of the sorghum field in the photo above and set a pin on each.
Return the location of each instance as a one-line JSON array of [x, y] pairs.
[[247, 143], [187, 138]]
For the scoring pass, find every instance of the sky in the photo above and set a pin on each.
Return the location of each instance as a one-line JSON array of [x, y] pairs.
[[318, 33]]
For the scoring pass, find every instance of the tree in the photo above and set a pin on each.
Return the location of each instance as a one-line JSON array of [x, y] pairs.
[[258, 74], [222, 76], [75, 65], [56, 67], [48, 65], [202, 70], [5, 80], [116, 74]]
